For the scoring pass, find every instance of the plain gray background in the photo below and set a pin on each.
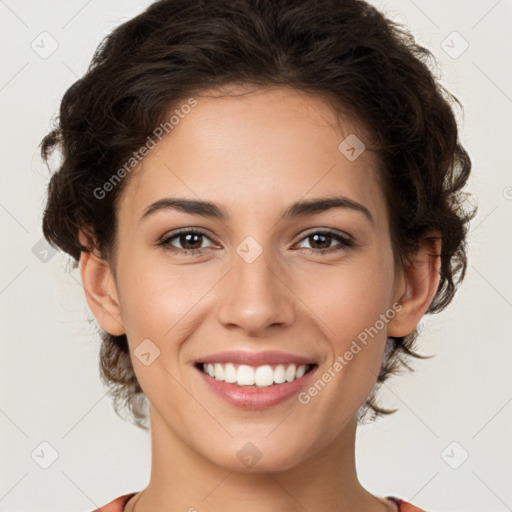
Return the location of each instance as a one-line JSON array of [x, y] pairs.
[[448, 448]]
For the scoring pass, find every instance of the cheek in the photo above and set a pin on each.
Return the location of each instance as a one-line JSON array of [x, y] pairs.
[[165, 304], [349, 299], [353, 306], [155, 295]]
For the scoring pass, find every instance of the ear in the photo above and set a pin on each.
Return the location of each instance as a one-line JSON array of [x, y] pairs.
[[418, 285], [100, 290]]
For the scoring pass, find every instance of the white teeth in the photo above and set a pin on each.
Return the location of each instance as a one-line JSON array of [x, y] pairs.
[[264, 376], [301, 370], [230, 373], [279, 374], [219, 371], [261, 376], [290, 373], [245, 375]]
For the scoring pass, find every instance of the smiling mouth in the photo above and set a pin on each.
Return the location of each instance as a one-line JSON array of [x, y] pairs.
[[255, 376]]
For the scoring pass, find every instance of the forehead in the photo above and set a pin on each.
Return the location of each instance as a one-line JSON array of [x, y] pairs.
[[255, 150]]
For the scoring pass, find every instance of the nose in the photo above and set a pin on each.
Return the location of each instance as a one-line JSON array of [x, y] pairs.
[[256, 295]]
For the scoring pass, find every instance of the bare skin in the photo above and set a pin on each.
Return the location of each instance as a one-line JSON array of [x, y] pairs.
[[255, 155]]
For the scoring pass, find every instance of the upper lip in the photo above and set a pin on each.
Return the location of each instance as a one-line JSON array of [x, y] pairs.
[[256, 358]]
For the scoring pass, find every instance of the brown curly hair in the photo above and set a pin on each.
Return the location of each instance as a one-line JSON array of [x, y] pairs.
[[369, 66]]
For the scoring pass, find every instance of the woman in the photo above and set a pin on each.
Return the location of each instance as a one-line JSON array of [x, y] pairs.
[[265, 197]]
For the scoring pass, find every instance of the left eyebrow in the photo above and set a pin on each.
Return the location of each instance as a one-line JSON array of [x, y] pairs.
[[298, 209]]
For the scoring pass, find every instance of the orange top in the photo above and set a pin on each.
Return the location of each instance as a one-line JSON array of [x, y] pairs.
[[119, 503]]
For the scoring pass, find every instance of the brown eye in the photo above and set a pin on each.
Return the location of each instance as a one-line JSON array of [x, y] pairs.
[[321, 242], [190, 240]]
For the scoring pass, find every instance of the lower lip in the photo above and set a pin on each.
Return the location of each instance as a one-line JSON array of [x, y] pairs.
[[247, 397]]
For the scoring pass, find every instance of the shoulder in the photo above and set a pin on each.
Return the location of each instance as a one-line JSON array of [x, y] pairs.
[[405, 506], [116, 505]]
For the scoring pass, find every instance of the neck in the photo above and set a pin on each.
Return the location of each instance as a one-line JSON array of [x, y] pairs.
[[184, 480]]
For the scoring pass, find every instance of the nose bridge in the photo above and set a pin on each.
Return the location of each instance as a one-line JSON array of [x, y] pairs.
[[254, 295]]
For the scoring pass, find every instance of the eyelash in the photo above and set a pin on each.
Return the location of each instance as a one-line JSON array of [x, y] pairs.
[[346, 243]]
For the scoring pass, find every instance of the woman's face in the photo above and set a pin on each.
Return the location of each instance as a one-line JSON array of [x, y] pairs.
[[260, 282]]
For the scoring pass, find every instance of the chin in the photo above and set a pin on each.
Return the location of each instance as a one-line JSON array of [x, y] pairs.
[[255, 456]]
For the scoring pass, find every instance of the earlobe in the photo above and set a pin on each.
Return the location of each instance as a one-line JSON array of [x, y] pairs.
[[100, 290], [420, 279]]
